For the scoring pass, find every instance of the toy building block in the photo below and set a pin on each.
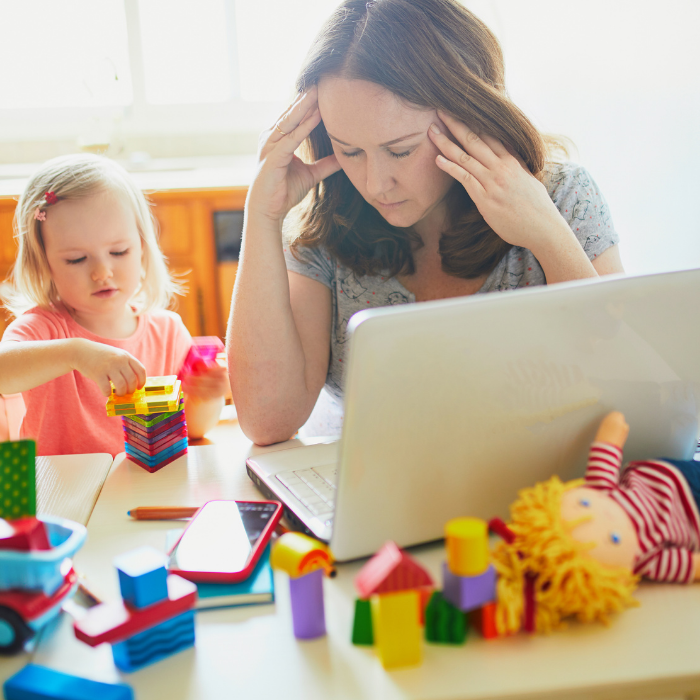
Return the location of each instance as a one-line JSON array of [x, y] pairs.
[[362, 623], [299, 554], [140, 636], [202, 354], [484, 620], [305, 560], [396, 626], [469, 592], [24, 535], [40, 683], [17, 479], [308, 612], [444, 623], [158, 395], [389, 570], [466, 541], [143, 577]]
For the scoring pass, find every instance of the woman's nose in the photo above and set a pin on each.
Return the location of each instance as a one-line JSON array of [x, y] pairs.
[[379, 179]]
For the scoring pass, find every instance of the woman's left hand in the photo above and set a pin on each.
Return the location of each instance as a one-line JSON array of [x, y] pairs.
[[512, 201], [208, 383]]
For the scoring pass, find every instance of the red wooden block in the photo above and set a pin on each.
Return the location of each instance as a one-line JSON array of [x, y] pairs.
[[114, 622], [23, 534], [424, 594], [31, 604], [391, 569], [158, 466], [484, 620]]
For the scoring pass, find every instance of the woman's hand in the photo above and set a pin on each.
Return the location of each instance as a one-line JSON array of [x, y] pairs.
[[208, 383], [512, 201], [104, 364], [283, 179]]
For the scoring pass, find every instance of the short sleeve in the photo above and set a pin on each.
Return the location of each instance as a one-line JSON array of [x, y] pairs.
[[315, 263], [35, 324], [580, 201]]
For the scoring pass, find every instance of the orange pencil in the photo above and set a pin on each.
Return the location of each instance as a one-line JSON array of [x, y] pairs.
[[162, 512]]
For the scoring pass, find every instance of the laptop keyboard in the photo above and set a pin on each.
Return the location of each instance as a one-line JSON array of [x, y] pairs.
[[314, 487]]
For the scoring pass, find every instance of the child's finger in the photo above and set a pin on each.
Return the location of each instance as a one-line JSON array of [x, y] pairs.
[[139, 370]]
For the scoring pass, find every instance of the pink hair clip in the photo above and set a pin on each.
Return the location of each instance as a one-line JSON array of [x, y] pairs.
[[39, 215], [51, 198]]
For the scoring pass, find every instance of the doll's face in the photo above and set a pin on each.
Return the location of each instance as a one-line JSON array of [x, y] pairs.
[[609, 527]]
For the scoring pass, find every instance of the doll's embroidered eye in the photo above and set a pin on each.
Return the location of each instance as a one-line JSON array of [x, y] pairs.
[[615, 538], [584, 502]]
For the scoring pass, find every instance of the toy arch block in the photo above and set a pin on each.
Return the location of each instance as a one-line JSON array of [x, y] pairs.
[[390, 570], [467, 544], [298, 555], [396, 626], [469, 592], [143, 577]]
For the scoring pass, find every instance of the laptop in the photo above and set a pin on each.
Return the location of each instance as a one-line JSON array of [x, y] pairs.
[[452, 406]]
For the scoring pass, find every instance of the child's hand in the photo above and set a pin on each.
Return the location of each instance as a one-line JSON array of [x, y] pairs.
[[210, 382], [104, 364]]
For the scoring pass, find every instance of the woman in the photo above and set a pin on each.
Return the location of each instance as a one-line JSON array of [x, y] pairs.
[[426, 182]]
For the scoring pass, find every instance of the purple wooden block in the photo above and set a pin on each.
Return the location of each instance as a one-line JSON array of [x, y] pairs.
[[469, 592], [308, 616]]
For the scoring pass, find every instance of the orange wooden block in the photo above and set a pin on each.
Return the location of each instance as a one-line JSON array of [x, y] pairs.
[[484, 620]]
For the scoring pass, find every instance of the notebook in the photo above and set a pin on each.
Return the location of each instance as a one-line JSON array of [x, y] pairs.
[[257, 589]]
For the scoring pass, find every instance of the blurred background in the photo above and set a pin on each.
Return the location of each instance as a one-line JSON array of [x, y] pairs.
[[178, 91]]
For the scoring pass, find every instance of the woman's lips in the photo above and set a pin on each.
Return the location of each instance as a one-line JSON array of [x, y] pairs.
[[392, 205]]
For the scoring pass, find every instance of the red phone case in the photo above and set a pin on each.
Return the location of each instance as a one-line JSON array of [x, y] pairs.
[[232, 577]]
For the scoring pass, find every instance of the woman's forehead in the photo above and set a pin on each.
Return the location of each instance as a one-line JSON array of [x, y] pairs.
[[358, 112]]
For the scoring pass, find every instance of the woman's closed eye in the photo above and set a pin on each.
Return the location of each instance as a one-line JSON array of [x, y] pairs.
[[391, 153]]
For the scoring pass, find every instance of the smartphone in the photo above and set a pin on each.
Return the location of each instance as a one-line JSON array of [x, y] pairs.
[[224, 540]]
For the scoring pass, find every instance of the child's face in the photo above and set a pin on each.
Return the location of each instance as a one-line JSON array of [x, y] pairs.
[[93, 248], [609, 526]]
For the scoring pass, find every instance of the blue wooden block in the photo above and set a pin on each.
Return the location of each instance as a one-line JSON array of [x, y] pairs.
[[41, 683], [143, 576], [469, 592], [155, 643]]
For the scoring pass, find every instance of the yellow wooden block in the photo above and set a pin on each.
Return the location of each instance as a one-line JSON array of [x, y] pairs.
[[467, 543], [397, 629]]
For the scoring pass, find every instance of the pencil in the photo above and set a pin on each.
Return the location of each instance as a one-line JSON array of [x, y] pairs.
[[162, 512]]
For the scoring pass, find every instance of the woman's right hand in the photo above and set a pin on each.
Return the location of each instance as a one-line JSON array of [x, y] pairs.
[[283, 179], [104, 364]]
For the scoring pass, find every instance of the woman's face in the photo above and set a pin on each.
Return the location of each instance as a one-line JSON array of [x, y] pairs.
[[382, 145]]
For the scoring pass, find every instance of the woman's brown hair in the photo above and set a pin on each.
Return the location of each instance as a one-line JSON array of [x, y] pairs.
[[431, 53]]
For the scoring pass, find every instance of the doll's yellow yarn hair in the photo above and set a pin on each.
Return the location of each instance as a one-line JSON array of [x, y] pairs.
[[569, 583]]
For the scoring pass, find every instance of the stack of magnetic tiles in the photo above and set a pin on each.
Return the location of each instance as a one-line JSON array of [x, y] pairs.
[[153, 418]]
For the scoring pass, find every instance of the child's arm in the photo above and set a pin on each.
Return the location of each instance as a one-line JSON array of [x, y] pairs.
[[25, 365], [204, 399]]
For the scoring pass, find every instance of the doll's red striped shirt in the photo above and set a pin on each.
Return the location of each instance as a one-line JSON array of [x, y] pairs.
[[658, 500]]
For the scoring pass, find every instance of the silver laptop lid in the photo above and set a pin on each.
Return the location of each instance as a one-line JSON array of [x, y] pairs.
[[452, 406]]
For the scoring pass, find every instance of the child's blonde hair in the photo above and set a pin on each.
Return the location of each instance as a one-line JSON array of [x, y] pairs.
[[75, 177], [568, 583]]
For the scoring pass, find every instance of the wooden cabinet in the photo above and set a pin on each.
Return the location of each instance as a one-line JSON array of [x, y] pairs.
[[186, 223]]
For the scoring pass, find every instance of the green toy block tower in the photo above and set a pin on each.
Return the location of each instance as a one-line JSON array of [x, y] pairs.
[[17, 479]]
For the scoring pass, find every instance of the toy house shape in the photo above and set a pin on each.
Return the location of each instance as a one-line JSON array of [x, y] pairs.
[[390, 570]]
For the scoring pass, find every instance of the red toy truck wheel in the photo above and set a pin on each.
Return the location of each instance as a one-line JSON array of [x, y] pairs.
[[13, 632]]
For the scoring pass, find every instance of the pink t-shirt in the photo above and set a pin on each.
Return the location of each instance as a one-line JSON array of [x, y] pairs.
[[68, 415]]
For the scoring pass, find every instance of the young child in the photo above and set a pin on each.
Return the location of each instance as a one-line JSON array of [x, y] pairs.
[[90, 291]]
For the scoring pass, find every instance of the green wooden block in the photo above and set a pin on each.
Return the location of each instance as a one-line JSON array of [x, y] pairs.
[[362, 625], [444, 623], [17, 479]]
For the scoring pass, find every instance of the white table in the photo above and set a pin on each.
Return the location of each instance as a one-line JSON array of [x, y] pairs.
[[652, 651]]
